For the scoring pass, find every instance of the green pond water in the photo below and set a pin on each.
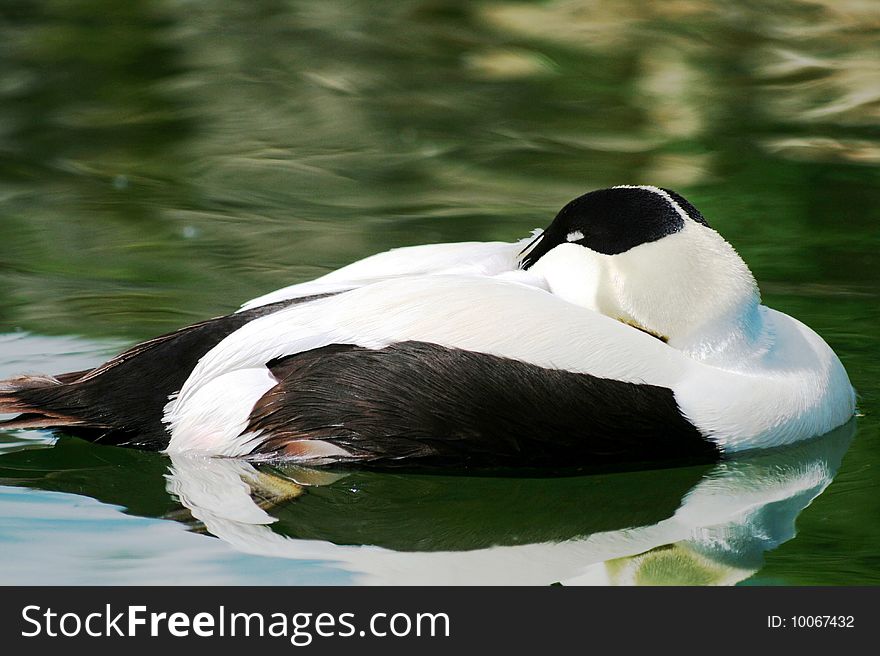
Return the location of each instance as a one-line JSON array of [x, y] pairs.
[[163, 161]]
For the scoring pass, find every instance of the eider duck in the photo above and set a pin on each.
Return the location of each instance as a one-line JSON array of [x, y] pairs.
[[627, 331]]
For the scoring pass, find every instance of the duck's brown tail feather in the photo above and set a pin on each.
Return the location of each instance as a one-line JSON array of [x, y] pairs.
[[22, 396], [122, 401]]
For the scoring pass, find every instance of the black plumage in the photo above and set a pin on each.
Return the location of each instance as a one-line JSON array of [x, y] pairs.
[[614, 220], [420, 403]]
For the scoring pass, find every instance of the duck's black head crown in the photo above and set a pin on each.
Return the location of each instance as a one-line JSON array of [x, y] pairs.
[[614, 220]]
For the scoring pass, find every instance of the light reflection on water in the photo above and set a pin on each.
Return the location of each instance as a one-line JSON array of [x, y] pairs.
[[167, 162], [706, 525], [457, 530]]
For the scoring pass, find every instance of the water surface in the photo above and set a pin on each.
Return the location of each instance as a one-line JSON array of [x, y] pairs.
[[161, 162]]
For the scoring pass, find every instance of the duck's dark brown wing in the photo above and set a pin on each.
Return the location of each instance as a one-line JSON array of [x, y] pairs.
[[415, 403]]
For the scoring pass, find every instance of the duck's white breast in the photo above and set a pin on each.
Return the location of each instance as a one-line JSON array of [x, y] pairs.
[[796, 388]]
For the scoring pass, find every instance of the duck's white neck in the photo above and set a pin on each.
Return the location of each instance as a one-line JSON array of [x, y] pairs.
[[690, 289]]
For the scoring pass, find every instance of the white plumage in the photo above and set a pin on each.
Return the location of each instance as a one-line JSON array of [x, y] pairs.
[[466, 258], [793, 387]]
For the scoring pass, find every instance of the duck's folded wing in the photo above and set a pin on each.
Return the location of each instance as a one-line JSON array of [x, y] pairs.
[[468, 258], [434, 369]]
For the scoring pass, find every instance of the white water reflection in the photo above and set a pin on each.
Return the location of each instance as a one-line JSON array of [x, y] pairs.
[[718, 535]]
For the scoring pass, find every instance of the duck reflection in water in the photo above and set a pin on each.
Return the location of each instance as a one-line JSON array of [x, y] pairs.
[[688, 526]]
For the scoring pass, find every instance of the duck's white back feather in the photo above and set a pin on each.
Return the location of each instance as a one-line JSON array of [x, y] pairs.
[[468, 258], [795, 389], [217, 415]]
